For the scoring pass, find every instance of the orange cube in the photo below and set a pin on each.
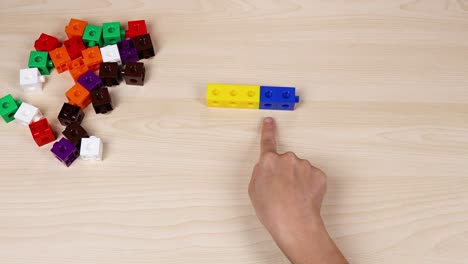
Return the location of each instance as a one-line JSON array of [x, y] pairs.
[[92, 58], [79, 96], [60, 58], [77, 67], [75, 28]]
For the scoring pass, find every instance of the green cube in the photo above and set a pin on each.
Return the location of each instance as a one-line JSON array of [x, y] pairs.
[[8, 107], [112, 33], [41, 61], [92, 36]]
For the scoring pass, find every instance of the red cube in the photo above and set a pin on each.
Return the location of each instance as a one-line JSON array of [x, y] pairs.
[[136, 28], [42, 132], [74, 47], [46, 43]]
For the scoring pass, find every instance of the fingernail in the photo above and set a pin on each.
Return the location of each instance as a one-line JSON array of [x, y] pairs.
[[268, 120]]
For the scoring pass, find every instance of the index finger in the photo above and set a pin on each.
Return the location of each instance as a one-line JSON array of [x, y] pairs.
[[268, 137]]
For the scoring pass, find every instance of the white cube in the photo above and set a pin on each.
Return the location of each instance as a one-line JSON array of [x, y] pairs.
[[110, 53], [31, 80], [91, 148], [27, 114]]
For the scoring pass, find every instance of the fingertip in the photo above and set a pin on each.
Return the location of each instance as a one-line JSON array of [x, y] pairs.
[[269, 125], [268, 120]]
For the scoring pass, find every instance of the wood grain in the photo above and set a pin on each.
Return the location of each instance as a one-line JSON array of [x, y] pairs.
[[384, 88]]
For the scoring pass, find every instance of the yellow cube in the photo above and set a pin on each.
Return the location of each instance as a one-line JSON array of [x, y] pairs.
[[233, 96]]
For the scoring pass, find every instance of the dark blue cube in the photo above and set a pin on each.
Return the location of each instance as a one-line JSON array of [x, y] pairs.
[[278, 98]]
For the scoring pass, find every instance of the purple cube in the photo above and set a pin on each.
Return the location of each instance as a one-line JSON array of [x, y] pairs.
[[128, 51], [65, 151], [90, 81]]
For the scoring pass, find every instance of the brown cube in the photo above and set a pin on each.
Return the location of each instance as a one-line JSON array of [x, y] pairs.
[[134, 73], [110, 74], [70, 114], [74, 133], [101, 100], [144, 46]]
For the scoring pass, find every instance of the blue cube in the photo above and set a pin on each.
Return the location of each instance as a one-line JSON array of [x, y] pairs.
[[278, 98]]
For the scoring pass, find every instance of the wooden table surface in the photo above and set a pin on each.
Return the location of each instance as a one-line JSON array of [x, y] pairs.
[[384, 111]]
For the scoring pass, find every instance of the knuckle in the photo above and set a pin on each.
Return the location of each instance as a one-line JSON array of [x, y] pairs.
[[269, 156], [320, 175], [316, 171], [290, 156], [306, 163]]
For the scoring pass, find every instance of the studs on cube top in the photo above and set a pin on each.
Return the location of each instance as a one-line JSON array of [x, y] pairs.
[[136, 28], [92, 36], [8, 107], [79, 96], [46, 43], [77, 68], [70, 114], [144, 46], [60, 58], [91, 148], [127, 51], [75, 28], [110, 73], [65, 151], [27, 114], [246, 96], [90, 81], [112, 33], [111, 54], [31, 80], [278, 98], [40, 60], [92, 58], [42, 132], [233, 96], [74, 133], [101, 100], [74, 46], [134, 73]]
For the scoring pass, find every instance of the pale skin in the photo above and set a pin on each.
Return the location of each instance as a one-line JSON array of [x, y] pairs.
[[287, 194]]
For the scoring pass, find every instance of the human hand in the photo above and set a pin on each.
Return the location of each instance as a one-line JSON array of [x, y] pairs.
[[287, 194]]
